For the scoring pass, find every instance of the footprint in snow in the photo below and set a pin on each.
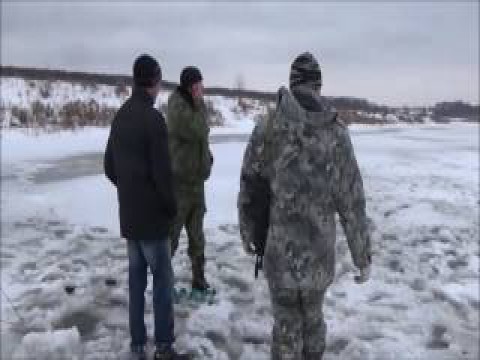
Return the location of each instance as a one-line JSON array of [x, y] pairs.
[[457, 263], [230, 229], [234, 281], [337, 346], [418, 284], [379, 295], [438, 340], [396, 266]]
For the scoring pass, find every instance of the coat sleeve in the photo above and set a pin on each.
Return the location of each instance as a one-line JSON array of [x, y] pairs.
[[350, 200], [251, 171], [207, 156], [108, 163], [160, 163]]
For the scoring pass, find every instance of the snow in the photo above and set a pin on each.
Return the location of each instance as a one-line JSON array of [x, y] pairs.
[[27, 144], [21, 93], [391, 118], [459, 292], [60, 228], [50, 345], [234, 118], [241, 127]]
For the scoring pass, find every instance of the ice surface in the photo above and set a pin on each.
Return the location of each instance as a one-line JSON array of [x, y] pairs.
[[61, 232]]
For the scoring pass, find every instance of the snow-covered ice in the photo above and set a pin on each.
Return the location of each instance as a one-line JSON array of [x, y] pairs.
[[60, 230]]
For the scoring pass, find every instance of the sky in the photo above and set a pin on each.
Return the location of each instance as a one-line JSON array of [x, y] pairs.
[[389, 52]]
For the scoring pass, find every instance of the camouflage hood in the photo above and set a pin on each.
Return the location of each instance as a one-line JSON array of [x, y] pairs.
[[305, 70], [306, 81], [291, 106]]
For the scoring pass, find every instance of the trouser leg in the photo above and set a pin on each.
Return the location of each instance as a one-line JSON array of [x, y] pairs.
[[158, 256], [314, 327], [137, 283], [287, 340]]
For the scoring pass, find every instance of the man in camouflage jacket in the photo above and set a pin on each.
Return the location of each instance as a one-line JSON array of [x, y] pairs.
[[192, 161], [307, 156]]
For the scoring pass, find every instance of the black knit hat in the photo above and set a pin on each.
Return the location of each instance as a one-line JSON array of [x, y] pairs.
[[189, 76], [305, 70], [146, 71]]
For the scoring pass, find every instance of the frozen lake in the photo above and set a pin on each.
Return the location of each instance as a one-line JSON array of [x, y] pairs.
[[60, 227]]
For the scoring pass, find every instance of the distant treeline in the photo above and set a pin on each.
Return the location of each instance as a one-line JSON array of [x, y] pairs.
[[351, 103], [342, 103], [458, 109], [440, 111]]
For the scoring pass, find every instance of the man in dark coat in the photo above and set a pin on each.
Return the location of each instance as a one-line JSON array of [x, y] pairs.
[[137, 162]]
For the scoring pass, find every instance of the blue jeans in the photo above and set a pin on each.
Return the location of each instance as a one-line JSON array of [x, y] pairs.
[[155, 254]]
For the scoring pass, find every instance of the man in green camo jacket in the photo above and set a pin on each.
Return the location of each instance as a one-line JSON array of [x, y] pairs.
[[192, 163]]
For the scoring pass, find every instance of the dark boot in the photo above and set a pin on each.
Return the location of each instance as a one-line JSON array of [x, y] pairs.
[[198, 274], [170, 355]]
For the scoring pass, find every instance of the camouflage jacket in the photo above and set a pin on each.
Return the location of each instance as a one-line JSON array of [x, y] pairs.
[[188, 139], [313, 175]]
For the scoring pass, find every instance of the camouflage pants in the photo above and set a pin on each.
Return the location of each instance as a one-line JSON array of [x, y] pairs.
[[299, 329], [191, 212]]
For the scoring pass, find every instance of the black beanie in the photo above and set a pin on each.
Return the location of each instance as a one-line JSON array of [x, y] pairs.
[[146, 71], [189, 76]]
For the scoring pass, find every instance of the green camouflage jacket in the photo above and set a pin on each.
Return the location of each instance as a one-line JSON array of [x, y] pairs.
[[188, 132]]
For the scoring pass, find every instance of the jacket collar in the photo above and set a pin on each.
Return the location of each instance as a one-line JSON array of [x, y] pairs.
[[187, 96], [295, 112], [141, 94], [307, 97]]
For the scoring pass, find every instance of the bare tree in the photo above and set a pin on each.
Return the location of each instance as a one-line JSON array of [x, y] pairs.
[[240, 86], [240, 82]]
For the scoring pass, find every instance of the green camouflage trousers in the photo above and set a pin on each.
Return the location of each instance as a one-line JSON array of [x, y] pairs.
[[299, 329], [191, 212]]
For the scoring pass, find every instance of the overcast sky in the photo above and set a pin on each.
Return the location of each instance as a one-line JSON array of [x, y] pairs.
[[390, 52]]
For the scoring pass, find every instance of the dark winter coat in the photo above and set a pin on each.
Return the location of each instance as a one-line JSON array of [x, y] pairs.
[[137, 162]]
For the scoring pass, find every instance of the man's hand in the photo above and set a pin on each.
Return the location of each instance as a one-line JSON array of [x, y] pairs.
[[249, 248], [364, 275]]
